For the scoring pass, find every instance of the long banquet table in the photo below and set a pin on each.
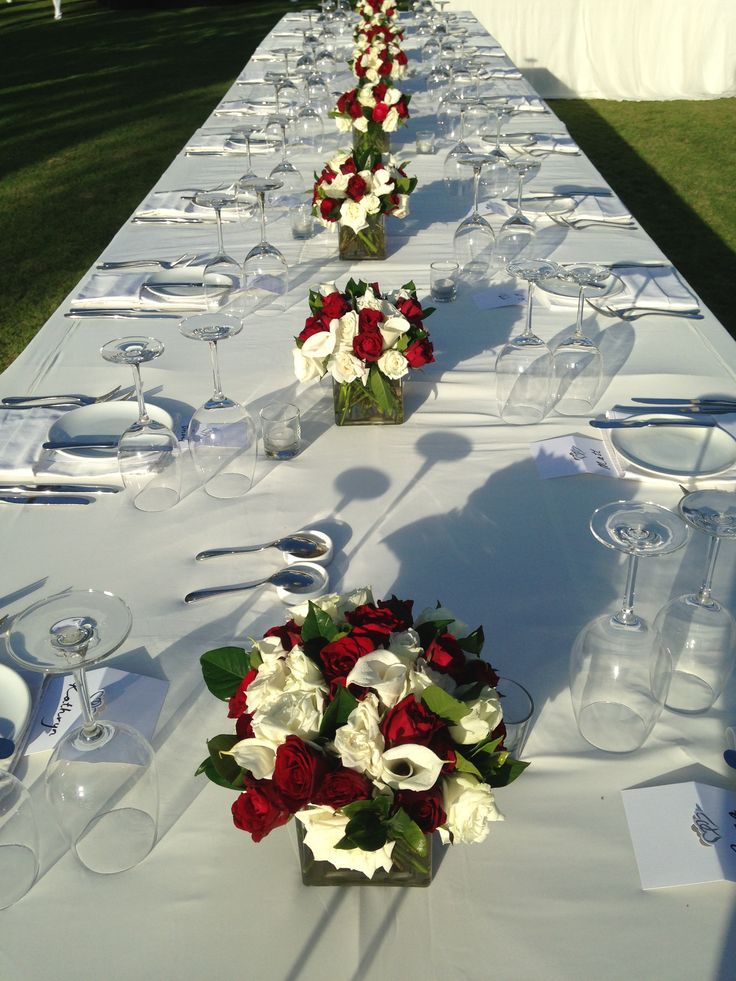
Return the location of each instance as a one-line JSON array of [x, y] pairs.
[[448, 506]]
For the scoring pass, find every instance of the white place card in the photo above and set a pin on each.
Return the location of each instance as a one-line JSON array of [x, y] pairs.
[[125, 697], [683, 833], [505, 296], [566, 456]]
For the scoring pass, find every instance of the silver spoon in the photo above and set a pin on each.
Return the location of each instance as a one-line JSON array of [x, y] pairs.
[[303, 545], [295, 581]]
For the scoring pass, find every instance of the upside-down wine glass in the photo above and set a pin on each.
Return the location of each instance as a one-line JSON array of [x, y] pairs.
[[498, 176], [697, 629], [474, 239], [265, 271], [221, 435], [524, 368], [620, 669], [578, 362], [222, 275], [101, 778], [148, 452], [291, 181], [518, 231], [454, 173]]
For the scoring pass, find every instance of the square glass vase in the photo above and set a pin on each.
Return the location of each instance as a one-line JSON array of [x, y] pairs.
[[406, 872], [357, 405], [368, 243]]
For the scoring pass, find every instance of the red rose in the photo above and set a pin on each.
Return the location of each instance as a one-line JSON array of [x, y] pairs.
[[382, 620], [342, 786], [424, 807], [313, 325], [445, 655], [401, 58], [244, 727], [410, 308], [339, 657], [298, 772], [477, 669], [368, 320], [419, 353], [349, 167], [327, 206], [443, 746], [368, 346], [379, 91], [290, 634], [356, 187], [410, 721], [237, 704], [380, 111], [359, 68], [327, 176], [401, 111], [355, 110], [259, 809], [342, 102], [334, 306]]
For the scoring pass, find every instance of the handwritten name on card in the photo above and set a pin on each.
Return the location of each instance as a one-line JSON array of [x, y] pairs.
[[566, 456]]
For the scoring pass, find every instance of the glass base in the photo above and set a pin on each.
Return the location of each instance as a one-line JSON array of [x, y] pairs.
[[612, 727], [315, 873]]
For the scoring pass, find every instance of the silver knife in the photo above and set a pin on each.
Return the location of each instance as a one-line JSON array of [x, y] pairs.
[[44, 499], [70, 444], [121, 314], [6, 488], [641, 423], [709, 408], [688, 403]]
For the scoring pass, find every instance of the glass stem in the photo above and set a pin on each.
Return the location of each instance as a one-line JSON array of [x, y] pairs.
[[90, 728], [579, 319], [262, 202], [704, 593], [626, 615], [518, 193], [530, 294], [218, 394], [283, 144], [498, 132], [250, 161], [476, 185], [143, 419], [220, 242]]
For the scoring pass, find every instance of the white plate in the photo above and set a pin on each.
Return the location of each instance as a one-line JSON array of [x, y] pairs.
[[15, 707], [677, 451], [164, 289], [543, 206], [104, 420], [565, 290]]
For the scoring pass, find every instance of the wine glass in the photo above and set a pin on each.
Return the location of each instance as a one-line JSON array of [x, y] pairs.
[[517, 232], [620, 669], [221, 435], [19, 844], [498, 175], [578, 362], [265, 270], [454, 173], [148, 451], [221, 274], [473, 240], [524, 368], [101, 778], [698, 631], [291, 182]]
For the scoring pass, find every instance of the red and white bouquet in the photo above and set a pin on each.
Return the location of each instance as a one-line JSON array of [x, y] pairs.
[[368, 34], [373, 726], [376, 11], [377, 105], [343, 193], [379, 62]]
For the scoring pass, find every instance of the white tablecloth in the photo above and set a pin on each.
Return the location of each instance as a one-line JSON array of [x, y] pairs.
[[447, 506], [628, 49]]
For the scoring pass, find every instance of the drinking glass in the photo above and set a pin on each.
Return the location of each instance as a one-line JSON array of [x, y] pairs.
[[222, 435], [18, 841], [578, 362], [265, 271], [281, 425], [620, 669], [101, 778], [517, 232], [443, 277], [698, 631], [309, 129], [148, 452], [518, 708], [524, 368], [474, 239]]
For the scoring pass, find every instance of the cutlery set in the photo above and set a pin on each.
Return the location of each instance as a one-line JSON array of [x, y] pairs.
[[676, 412]]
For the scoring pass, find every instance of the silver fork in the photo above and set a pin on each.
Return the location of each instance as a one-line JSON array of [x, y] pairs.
[[633, 313], [183, 260], [31, 401], [580, 223]]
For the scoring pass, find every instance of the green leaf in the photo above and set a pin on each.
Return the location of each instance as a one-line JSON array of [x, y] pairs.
[[367, 830], [444, 705], [402, 828], [380, 805], [410, 287], [487, 747], [223, 669], [225, 765], [473, 643], [465, 766], [428, 311], [337, 713], [317, 624], [507, 773], [381, 390], [207, 767]]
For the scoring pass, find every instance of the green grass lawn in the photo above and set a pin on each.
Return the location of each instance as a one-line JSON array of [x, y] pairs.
[[94, 107]]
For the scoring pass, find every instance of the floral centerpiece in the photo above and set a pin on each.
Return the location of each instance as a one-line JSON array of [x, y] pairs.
[[376, 11], [371, 112], [367, 34], [357, 197], [367, 344], [375, 728], [379, 62]]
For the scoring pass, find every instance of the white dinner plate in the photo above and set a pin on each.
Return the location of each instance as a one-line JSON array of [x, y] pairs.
[[104, 420], [680, 451], [546, 206], [15, 707], [566, 290]]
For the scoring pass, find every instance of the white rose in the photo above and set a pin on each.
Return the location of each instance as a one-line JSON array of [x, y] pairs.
[[345, 367], [270, 648], [359, 742], [306, 369], [324, 828], [372, 75], [393, 364], [328, 603], [423, 676], [267, 686], [371, 203], [393, 95], [392, 121], [303, 673], [344, 124], [470, 808], [345, 330], [383, 182], [410, 767], [405, 645], [382, 672], [338, 188], [361, 124], [297, 713], [352, 600], [392, 328], [258, 756], [366, 97], [483, 717], [402, 209], [352, 214], [335, 163]]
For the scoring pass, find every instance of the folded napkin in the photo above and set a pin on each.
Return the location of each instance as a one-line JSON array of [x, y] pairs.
[[554, 143], [526, 103], [653, 287], [171, 206], [252, 107], [592, 207], [227, 145], [123, 290], [504, 73]]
